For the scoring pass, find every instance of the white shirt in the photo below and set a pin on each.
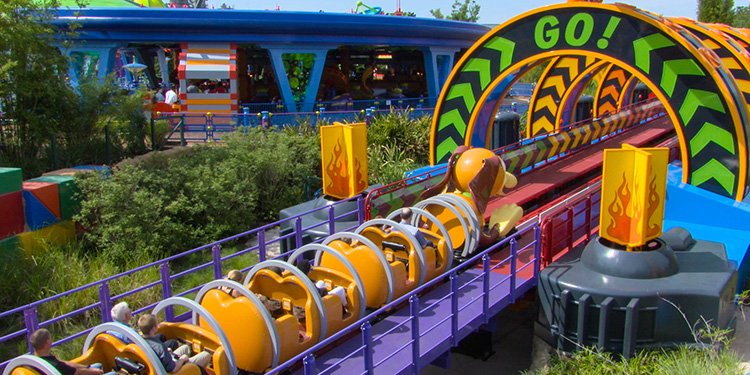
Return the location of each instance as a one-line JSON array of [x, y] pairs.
[[416, 233], [170, 97]]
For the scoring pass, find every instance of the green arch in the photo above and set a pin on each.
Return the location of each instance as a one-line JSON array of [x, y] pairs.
[[702, 102]]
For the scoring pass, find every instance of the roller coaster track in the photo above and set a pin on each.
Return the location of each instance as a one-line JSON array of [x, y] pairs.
[[426, 322], [697, 71]]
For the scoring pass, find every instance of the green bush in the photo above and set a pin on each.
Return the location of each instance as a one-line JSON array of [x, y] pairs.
[[160, 132], [398, 129], [387, 163], [165, 206], [397, 143], [75, 133]]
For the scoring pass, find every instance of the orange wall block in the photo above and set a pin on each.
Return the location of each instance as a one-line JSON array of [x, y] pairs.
[[47, 193]]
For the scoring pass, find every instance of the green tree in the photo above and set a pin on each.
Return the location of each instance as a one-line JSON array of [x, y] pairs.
[[190, 3], [33, 88], [298, 68], [46, 123], [716, 11], [742, 17], [461, 10]]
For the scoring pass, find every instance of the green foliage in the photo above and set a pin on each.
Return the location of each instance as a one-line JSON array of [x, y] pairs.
[[708, 355], [716, 11], [591, 87], [189, 3], [56, 270], [165, 206], [523, 123], [96, 107], [388, 163], [161, 130], [33, 91], [53, 124], [533, 74], [461, 10], [397, 143], [298, 68], [742, 17]]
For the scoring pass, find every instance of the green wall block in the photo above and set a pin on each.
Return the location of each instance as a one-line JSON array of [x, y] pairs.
[[69, 205], [10, 180]]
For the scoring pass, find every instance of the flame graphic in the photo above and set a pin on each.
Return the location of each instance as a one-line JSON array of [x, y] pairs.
[[361, 182], [619, 226], [654, 202], [338, 172], [627, 213]]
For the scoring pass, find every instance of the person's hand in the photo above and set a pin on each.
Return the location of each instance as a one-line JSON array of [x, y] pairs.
[[184, 357]]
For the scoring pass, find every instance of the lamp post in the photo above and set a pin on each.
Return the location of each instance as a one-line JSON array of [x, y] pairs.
[[134, 69]]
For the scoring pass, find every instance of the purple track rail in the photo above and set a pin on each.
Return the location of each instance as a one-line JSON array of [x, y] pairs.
[[420, 327], [425, 323]]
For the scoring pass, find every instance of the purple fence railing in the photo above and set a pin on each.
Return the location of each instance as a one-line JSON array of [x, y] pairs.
[[104, 299], [344, 104], [405, 192], [528, 235], [518, 89], [203, 127]]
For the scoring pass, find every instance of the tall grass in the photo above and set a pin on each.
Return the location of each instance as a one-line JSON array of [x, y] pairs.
[[397, 143], [56, 270], [709, 354], [683, 361], [63, 268]]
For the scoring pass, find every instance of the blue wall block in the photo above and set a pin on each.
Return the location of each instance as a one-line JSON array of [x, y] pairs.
[[37, 215], [711, 217]]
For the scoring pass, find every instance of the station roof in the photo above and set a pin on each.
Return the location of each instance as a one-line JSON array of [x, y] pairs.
[[165, 25]]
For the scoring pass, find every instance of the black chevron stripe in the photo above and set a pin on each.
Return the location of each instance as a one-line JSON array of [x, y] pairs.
[[559, 71]]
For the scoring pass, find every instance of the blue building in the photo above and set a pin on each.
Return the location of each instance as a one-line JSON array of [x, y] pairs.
[[221, 60]]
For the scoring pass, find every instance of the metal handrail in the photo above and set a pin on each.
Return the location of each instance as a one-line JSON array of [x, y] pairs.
[[470, 263], [440, 170], [106, 299]]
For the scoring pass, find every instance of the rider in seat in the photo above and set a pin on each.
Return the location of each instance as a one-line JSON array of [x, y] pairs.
[[41, 341], [172, 361], [406, 215]]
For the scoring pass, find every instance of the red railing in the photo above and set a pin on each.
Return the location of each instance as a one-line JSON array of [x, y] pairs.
[[571, 221]]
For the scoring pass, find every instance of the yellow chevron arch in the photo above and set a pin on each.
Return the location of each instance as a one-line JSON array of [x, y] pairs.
[[645, 43]]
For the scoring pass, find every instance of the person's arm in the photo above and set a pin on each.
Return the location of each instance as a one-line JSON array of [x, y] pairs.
[[83, 369], [88, 371], [180, 362]]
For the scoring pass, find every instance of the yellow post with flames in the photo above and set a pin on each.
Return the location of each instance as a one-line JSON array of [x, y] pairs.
[[634, 186], [344, 152]]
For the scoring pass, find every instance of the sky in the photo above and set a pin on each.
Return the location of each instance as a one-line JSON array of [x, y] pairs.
[[492, 11]]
